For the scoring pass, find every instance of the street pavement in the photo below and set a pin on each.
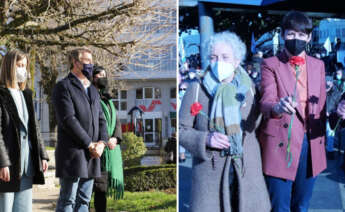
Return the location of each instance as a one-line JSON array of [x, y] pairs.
[[328, 194]]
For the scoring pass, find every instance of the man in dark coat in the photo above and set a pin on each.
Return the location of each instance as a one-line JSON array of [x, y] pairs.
[[82, 133]]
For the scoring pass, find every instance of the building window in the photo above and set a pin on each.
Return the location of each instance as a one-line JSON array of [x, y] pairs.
[[158, 94], [139, 93], [123, 94], [173, 93], [120, 99], [123, 105], [148, 93]]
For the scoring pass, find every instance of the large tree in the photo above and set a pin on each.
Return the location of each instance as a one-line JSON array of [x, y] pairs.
[[119, 32]]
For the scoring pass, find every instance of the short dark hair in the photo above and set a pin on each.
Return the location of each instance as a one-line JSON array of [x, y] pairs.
[[97, 69], [297, 21], [75, 54]]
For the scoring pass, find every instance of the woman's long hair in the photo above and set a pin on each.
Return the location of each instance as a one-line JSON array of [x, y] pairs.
[[8, 69]]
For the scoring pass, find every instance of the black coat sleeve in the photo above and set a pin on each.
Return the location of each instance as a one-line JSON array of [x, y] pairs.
[[4, 156], [103, 132], [65, 115], [334, 118], [118, 130], [42, 149]]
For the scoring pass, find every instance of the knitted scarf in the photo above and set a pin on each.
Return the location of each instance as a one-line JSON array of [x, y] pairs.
[[225, 114], [112, 159]]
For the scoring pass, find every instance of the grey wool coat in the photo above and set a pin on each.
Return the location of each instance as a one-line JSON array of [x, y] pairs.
[[210, 178]]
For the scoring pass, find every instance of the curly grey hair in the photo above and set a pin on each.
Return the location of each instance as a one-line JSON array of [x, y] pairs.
[[238, 47]]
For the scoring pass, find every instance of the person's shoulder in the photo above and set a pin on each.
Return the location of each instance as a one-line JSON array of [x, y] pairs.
[[28, 91], [270, 60], [2, 89], [63, 82], [3, 92], [315, 60]]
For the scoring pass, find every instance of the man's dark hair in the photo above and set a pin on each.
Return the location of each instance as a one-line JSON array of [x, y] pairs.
[[297, 21]]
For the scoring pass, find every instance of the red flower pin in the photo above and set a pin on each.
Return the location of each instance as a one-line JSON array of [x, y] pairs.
[[195, 108], [296, 61]]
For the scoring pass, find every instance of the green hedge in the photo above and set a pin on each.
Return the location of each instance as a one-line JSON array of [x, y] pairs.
[[145, 178]]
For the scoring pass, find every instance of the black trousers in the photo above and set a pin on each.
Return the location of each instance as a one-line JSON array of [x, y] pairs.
[[233, 181], [100, 189], [100, 201]]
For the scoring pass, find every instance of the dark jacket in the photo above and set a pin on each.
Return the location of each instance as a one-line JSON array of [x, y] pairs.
[[80, 121], [334, 117], [10, 141], [171, 149], [334, 96]]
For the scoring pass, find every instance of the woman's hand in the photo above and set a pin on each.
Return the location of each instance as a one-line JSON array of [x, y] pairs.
[[112, 143], [285, 105], [341, 109], [5, 174], [217, 140], [45, 165]]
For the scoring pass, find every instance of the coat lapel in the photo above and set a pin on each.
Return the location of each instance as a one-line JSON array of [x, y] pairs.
[[24, 117], [288, 78], [285, 73], [93, 93], [11, 107], [76, 82], [313, 86]]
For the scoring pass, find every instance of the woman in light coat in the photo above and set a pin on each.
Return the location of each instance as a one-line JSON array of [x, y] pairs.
[[217, 123]]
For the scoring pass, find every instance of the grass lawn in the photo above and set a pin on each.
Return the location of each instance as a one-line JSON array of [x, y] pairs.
[[143, 201]]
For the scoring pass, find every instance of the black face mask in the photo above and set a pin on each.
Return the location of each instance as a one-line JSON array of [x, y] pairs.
[[102, 83], [87, 71], [295, 46]]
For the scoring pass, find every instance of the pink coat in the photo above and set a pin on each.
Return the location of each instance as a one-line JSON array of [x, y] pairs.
[[277, 82]]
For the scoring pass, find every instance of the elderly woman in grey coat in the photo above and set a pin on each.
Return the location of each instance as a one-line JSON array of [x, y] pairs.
[[217, 123]]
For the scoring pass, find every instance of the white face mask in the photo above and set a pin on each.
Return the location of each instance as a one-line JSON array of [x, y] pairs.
[[21, 74], [222, 70], [191, 75]]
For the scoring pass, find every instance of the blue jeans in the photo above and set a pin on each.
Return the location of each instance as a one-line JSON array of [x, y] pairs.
[[75, 195], [18, 201], [287, 195]]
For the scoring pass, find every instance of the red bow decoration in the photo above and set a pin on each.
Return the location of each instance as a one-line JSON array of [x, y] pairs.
[[195, 108], [297, 61]]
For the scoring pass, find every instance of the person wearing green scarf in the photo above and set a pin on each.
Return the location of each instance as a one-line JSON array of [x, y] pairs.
[[111, 182]]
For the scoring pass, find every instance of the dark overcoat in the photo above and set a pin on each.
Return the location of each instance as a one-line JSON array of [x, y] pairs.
[[80, 121]]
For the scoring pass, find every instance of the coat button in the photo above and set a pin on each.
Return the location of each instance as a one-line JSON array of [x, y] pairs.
[[24, 137], [286, 125], [281, 144]]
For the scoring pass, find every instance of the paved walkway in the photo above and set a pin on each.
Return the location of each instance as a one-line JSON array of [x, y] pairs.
[[328, 194], [44, 199]]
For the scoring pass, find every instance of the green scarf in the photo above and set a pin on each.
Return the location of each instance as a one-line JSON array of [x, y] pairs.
[[112, 159], [225, 113]]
